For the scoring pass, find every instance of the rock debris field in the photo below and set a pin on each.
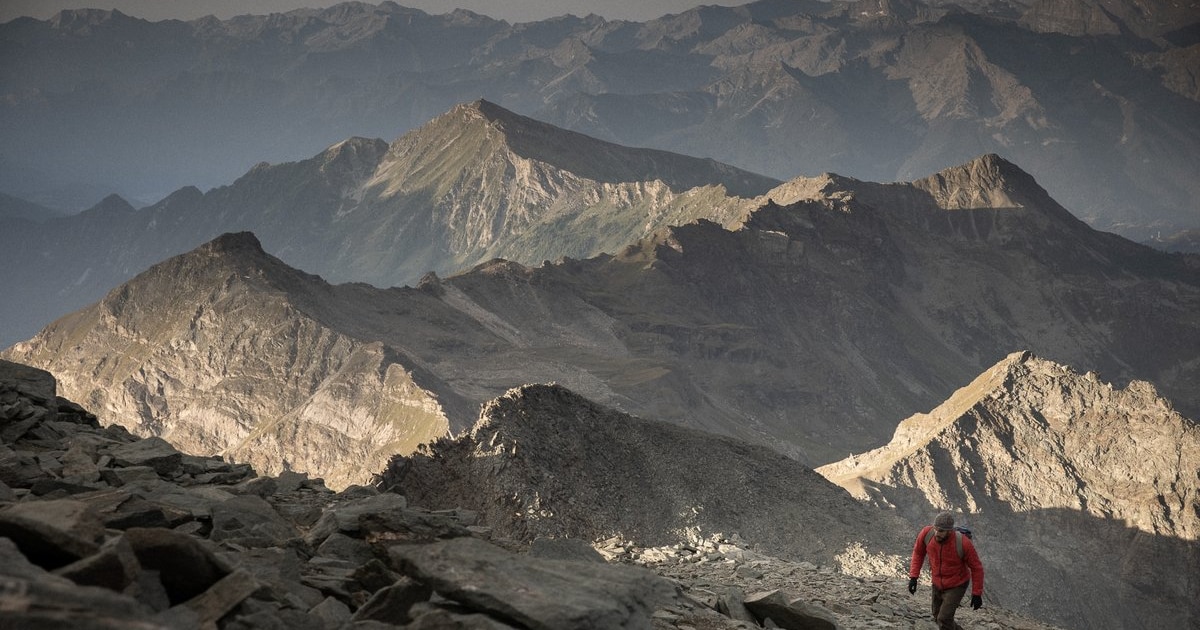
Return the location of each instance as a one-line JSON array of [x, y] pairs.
[[100, 529]]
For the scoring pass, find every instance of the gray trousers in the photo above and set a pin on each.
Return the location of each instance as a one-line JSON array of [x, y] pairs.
[[945, 604]]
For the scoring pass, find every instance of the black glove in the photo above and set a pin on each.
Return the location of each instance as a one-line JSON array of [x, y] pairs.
[[977, 601], [912, 585]]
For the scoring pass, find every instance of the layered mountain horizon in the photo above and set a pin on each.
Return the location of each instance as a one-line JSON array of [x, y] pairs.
[[1097, 99], [589, 292], [809, 326], [475, 183]]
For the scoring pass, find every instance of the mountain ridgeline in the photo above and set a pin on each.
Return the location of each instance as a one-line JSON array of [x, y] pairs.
[[800, 329], [477, 183], [1097, 98], [811, 328]]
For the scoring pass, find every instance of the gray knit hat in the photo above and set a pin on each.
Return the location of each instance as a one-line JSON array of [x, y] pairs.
[[945, 520]]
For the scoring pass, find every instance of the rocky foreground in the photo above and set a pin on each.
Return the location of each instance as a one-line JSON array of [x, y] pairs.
[[99, 529]]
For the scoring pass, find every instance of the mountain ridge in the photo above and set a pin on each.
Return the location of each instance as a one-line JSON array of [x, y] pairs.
[[225, 352], [1030, 436], [809, 327], [441, 198], [779, 89]]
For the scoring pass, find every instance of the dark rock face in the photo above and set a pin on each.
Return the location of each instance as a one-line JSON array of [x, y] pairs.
[[545, 462]]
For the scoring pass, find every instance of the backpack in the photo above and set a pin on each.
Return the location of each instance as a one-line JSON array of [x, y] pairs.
[[960, 531]]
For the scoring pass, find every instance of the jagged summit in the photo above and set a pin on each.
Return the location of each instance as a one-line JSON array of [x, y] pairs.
[[82, 19], [543, 461], [1056, 468], [233, 243], [988, 181], [1044, 436], [591, 158], [110, 205]]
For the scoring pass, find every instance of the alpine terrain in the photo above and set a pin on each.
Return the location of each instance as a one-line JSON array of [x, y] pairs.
[[810, 329], [476, 183], [101, 529], [1098, 99], [1085, 497]]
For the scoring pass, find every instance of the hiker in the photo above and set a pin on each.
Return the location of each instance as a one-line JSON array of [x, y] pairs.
[[953, 564]]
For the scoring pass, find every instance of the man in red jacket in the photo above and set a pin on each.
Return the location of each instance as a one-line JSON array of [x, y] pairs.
[[953, 564]]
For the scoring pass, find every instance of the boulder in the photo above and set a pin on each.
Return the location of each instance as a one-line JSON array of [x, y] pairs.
[[789, 612]]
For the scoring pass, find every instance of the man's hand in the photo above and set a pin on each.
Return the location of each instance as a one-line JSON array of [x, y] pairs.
[[912, 585], [977, 601]]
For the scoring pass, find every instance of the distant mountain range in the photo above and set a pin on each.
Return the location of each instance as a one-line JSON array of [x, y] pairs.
[[834, 308], [475, 183], [1097, 99]]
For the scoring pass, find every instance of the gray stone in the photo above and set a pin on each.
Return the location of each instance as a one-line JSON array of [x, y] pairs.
[[52, 533], [732, 603], [186, 567], [19, 469], [279, 570], [409, 526], [260, 486], [250, 521], [114, 566], [391, 604], [564, 549], [37, 386], [344, 517], [79, 463], [222, 596], [332, 612], [339, 545], [128, 474], [532, 592], [154, 452], [790, 613], [440, 619]]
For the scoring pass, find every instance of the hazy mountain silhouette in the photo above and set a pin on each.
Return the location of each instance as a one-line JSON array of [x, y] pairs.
[[811, 328], [1097, 99], [475, 183]]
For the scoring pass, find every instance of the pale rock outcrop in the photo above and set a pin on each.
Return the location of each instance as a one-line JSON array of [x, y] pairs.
[[1072, 483]]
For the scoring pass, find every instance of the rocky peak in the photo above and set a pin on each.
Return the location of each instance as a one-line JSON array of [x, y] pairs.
[[544, 461], [81, 21], [111, 205], [1048, 437], [234, 244], [988, 181], [1050, 462], [353, 155], [598, 160], [186, 197]]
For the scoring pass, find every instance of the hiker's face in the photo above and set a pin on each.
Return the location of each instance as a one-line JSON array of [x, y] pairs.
[[942, 535]]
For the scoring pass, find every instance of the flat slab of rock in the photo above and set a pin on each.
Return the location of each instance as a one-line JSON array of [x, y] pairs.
[[789, 612], [535, 593]]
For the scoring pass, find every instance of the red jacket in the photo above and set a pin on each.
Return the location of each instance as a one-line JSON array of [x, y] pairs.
[[948, 570]]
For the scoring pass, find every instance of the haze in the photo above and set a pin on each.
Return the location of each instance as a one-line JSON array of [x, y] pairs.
[[511, 10]]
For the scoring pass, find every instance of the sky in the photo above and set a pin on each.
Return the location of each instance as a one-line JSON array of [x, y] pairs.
[[511, 10]]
